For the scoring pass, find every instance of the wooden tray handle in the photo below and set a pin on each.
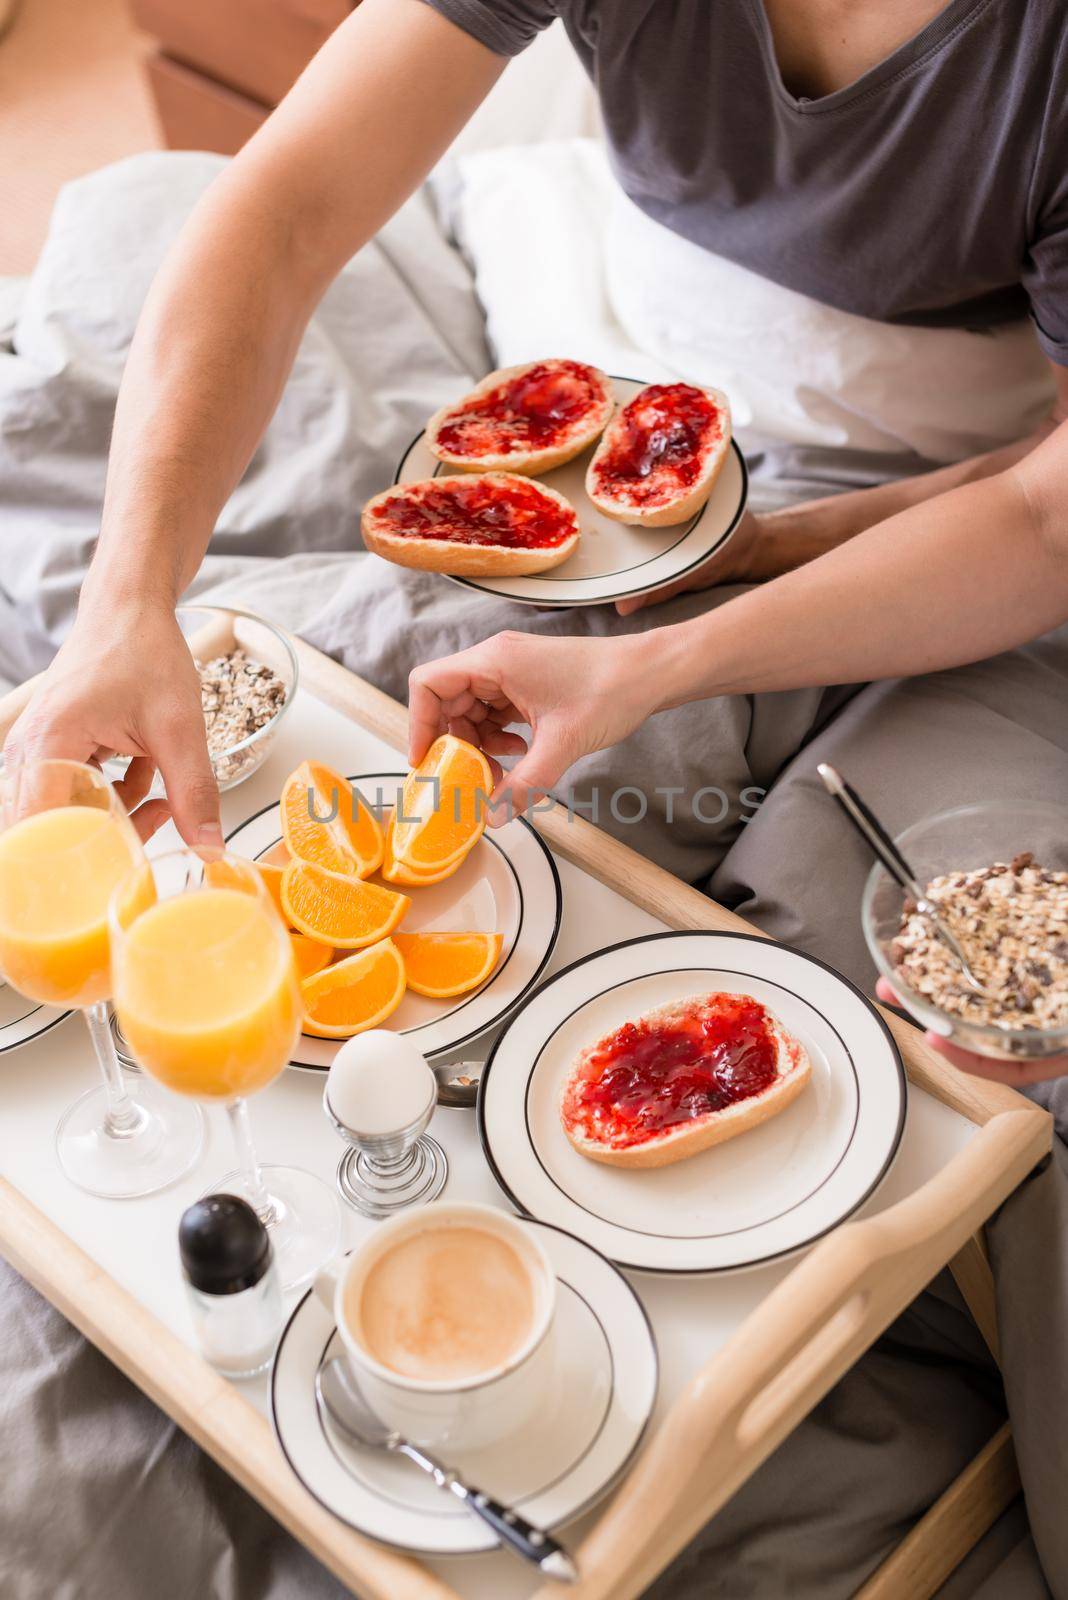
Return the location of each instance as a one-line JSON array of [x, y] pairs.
[[808, 1331]]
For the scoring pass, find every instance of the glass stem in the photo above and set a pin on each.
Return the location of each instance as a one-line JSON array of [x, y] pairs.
[[237, 1111], [123, 1115]]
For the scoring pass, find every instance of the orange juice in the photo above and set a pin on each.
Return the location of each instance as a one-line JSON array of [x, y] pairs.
[[207, 993], [58, 869]]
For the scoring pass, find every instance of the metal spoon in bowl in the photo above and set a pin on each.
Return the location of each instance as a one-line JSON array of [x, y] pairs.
[[336, 1390], [872, 831]]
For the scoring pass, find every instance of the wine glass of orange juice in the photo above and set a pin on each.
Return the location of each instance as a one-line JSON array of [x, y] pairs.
[[208, 1000], [65, 844]]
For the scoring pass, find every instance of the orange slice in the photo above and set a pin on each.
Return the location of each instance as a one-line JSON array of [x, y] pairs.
[[395, 872], [337, 909], [277, 856], [325, 822], [219, 874], [272, 882], [355, 994], [443, 964], [310, 955], [443, 806]]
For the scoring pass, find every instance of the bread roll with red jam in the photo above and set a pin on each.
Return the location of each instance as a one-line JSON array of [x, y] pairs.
[[680, 1079], [660, 455], [524, 419], [491, 526]]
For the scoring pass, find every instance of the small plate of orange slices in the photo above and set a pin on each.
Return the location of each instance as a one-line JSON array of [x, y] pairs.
[[404, 911]]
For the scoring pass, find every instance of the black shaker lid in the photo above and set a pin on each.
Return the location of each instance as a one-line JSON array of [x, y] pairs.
[[223, 1245]]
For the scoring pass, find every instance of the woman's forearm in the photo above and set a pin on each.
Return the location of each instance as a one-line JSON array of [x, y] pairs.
[[975, 571]]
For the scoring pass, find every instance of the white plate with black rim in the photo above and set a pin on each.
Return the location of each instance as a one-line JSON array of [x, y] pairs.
[[508, 885], [574, 1451], [612, 560], [22, 1020], [756, 1198]]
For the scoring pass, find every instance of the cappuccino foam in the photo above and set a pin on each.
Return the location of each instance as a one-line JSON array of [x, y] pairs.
[[444, 1303]]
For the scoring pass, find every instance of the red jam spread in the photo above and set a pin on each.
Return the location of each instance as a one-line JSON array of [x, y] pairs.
[[658, 443], [536, 410], [652, 1075], [512, 512]]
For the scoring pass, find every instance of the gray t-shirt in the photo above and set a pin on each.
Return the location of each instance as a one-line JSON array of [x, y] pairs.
[[933, 190]]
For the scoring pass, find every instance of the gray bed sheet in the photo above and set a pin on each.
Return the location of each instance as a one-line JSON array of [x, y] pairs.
[[102, 1495]]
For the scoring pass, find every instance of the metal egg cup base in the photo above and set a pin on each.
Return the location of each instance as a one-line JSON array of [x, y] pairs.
[[382, 1189]]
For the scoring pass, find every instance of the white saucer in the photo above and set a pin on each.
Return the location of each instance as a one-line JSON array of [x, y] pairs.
[[763, 1195], [573, 1453], [612, 560], [508, 884], [22, 1020]]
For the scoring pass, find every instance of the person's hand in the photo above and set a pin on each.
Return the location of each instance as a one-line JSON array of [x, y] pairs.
[[576, 695], [124, 683], [735, 563], [1017, 1074]]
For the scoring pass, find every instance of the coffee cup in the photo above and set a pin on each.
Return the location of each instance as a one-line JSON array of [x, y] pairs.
[[446, 1316]]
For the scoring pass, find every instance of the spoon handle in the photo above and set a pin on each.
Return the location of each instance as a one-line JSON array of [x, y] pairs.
[[532, 1543], [870, 829], [511, 1530]]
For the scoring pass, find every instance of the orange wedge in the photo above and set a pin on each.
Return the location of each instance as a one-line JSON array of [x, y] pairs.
[[277, 856], [443, 806], [355, 994], [309, 955], [337, 909], [219, 874], [272, 882], [325, 822], [394, 872], [443, 964]]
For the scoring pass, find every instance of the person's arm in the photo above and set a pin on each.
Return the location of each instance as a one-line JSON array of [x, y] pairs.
[[370, 116], [979, 570], [768, 545]]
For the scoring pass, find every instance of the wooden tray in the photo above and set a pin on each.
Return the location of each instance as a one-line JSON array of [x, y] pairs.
[[779, 1360]]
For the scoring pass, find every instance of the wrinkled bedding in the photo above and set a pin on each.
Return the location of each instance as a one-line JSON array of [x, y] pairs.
[[96, 1482]]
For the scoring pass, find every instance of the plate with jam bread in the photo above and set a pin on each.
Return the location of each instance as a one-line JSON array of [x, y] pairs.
[[693, 1102], [554, 484]]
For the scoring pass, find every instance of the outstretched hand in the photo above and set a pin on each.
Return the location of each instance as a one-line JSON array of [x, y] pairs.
[[125, 683], [575, 695]]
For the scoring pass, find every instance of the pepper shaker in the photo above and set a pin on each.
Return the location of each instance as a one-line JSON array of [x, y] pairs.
[[380, 1096], [231, 1283]]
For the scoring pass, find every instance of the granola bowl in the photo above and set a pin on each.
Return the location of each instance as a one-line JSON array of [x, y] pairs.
[[1012, 923], [245, 703]]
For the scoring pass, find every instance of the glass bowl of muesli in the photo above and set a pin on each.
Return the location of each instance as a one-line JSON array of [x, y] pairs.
[[998, 871], [248, 677]]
